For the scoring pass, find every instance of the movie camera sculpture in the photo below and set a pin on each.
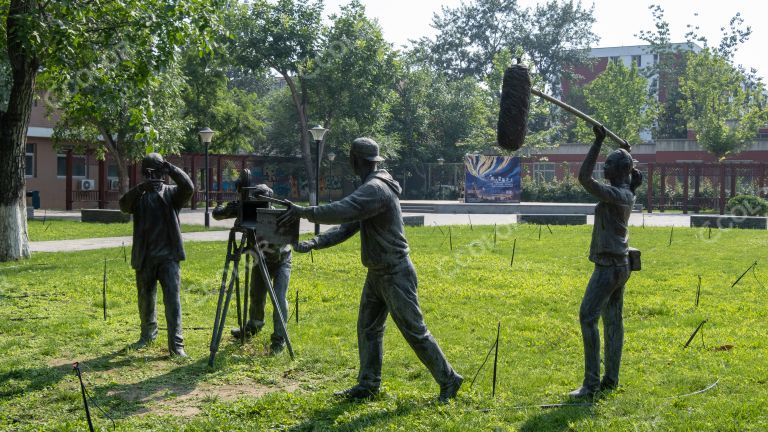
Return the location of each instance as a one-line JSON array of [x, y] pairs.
[[256, 226]]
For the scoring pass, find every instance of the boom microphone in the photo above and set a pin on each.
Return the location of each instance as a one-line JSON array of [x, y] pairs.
[[516, 92]]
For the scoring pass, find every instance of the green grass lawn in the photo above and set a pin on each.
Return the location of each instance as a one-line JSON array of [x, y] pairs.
[[51, 316], [56, 229]]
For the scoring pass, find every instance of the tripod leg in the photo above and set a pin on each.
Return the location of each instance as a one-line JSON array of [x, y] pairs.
[[221, 313], [238, 305], [268, 283], [216, 322], [246, 289]]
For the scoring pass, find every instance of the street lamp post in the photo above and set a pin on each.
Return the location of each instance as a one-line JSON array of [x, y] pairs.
[[440, 162], [205, 136], [318, 132], [147, 128], [331, 158]]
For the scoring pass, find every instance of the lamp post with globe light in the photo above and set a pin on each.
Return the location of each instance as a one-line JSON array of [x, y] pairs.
[[318, 132], [205, 136]]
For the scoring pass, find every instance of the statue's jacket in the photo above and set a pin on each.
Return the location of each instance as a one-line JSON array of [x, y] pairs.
[[173, 198], [373, 210]]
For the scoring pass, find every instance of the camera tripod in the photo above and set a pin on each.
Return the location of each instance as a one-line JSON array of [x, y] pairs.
[[230, 282]]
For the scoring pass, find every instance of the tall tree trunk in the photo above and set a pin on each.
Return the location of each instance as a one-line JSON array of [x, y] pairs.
[[300, 102], [14, 241], [114, 148]]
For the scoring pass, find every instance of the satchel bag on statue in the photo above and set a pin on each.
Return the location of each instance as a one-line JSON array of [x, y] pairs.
[[634, 259]]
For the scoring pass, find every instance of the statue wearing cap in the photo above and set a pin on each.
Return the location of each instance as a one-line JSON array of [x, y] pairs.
[[157, 246], [278, 260], [373, 210], [609, 251]]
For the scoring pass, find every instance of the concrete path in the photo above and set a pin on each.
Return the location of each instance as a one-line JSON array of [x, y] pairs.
[[197, 217]]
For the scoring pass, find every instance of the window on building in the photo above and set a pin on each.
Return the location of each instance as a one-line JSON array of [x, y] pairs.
[[544, 171], [29, 161], [112, 171], [597, 173], [637, 60], [78, 166]]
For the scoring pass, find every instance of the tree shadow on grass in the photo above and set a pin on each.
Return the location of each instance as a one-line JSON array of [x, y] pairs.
[[125, 400], [18, 381], [556, 418], [325, 418]]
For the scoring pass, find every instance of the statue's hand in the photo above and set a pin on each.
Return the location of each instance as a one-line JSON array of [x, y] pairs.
[[292, 214], [305, 246], [147, 186], [600, 133]]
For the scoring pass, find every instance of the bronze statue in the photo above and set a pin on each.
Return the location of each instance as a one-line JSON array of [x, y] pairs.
[[157, 246], [609, 251], [390, 286], [278, 260]]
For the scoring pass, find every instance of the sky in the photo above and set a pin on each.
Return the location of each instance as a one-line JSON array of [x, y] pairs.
[[617, 21]]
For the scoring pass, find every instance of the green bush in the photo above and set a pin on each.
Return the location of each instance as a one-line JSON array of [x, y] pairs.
[[747, 205]]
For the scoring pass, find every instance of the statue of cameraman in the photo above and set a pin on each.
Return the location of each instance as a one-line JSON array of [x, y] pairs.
[[157, 246], [278, 260]]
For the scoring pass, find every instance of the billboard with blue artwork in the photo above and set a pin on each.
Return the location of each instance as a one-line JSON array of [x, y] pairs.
[[492, 179]]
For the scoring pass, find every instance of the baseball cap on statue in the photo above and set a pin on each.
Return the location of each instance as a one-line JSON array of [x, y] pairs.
[[367, 149]]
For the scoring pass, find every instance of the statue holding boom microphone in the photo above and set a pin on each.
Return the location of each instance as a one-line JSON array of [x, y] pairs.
[[609, 251], [157, 246], [614, 260]]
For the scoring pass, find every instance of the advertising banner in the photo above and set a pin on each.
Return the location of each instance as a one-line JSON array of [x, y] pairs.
[[492, 179]]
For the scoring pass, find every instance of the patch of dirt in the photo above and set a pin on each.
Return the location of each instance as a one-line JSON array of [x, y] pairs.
[[60, 362], [184, 401]]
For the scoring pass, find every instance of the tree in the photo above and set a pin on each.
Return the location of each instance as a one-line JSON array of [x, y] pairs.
[[52, 35], [723, 105], [353, 79], [469, 36], [670, 65], [109, 110], [619, 99], [216, 95], [284, 37]]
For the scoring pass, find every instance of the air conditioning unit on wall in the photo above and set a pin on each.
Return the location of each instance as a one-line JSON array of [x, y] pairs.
[[87, 185], [114, 184]]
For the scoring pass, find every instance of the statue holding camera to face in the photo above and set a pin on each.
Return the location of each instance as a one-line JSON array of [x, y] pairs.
[[157, 246]]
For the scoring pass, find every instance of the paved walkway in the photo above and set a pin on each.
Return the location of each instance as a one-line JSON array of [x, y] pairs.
[[197, 217]]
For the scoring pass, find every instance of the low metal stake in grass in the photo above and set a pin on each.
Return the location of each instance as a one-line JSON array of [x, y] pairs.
[[494, 235], [693, 335], [709, 233], [471, 228], [125, 256], [550, 229], [744, 274], [698, 292], [514, 246], [671, 232], [643, 220], [496, 359], [79, 374], [450, 238], [297, 306], [104, 290], [539, 232], [311, 256]]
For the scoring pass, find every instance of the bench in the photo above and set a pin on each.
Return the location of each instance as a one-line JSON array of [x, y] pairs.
[[104, 216], [728, 221], [553, 219], [413, 220]]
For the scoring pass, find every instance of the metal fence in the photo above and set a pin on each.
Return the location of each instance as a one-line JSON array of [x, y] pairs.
[[700, 187]]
